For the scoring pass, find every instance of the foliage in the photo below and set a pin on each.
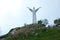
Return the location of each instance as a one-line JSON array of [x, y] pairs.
[[50, 34], [40, 22], [39, 33], [45, 21], [57, 21]]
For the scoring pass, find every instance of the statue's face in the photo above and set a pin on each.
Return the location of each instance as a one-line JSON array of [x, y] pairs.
[[34, 8]]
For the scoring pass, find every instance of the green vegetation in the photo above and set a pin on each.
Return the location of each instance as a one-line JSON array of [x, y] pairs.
[[38, 31], [49, 34]]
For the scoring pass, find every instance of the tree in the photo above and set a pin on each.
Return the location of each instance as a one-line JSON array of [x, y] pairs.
[[45, 22], [57, 21], [40, 22]]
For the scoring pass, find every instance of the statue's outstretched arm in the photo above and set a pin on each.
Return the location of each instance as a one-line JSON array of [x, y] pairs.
[[37, 9], [30, 9]]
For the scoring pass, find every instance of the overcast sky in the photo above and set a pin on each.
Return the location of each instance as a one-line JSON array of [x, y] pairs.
[[14, 13]]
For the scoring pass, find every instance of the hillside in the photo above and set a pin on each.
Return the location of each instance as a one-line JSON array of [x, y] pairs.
[[31, 32], [36, 33]]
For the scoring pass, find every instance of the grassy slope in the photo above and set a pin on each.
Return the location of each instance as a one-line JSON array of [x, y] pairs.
[[50, 34]]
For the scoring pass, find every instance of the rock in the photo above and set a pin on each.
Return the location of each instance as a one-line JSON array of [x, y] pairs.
[[2, 39], [13, 32]]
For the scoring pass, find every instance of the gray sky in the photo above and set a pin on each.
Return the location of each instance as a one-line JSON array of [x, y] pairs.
[[14, 13]]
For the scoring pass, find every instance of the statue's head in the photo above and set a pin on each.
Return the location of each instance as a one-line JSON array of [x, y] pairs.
[[33, 7]]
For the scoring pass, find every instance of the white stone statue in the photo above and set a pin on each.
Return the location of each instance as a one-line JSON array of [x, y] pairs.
[[34, 13]]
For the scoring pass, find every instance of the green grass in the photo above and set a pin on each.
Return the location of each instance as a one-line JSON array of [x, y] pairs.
[[50, 34]]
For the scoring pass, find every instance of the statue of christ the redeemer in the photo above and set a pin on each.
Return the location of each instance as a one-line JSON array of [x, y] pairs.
[[34, 13]]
